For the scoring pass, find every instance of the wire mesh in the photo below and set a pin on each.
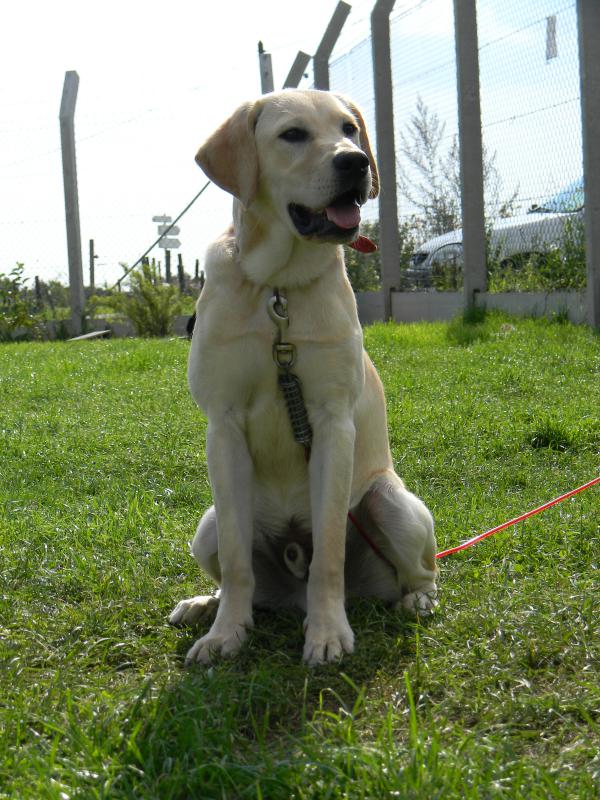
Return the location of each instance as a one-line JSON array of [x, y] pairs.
[[531, 131], [116, 210], [352, 74], [531, 126]]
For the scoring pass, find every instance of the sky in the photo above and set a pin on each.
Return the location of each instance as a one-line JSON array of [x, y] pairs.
[[156, 80]]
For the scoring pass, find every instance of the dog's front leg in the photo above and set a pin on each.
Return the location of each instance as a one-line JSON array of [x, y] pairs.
[[230, 471], [328, 633]]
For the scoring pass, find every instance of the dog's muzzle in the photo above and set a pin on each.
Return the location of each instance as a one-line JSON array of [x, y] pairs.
[[338, 221]]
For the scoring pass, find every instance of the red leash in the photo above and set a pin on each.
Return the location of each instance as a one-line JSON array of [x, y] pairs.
[[514, 521], [470, 542], [377, 550]]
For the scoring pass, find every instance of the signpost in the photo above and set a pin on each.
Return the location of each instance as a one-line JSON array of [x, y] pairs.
[[164, 228], [166, 242], [172, 229]]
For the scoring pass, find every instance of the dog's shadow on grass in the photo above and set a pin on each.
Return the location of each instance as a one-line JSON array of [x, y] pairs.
[[265, 698], [385, 643]]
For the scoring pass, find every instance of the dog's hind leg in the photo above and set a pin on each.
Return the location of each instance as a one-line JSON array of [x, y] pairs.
[[404, 527], [204, 549]]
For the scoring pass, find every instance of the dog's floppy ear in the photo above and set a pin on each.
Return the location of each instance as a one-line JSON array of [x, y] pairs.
[[229, 157], [364, 143]]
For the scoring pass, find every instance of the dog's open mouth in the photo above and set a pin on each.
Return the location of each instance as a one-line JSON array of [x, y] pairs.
[[338, 221]]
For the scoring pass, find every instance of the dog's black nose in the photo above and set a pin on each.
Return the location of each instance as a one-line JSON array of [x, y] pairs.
[[354, 164]]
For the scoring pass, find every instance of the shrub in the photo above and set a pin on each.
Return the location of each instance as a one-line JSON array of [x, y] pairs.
[[551, 269], [561, 267], [364, 269], [150, 305], [16, 306]]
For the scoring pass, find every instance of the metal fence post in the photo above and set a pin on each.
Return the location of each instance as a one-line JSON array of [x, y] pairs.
[[588, 21], [386, 152], [67, 138], [327, 43], [471, 150]]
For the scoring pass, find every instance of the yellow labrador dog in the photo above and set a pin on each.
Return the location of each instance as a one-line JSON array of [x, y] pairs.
[[299, 166]]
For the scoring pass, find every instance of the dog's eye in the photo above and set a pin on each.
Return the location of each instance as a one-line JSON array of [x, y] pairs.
[[294, 135], [349, 129]]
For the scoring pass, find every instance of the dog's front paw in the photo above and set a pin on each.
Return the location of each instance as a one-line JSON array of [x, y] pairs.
[[218, 641], [327, 641], [193, 610], [422, 601]]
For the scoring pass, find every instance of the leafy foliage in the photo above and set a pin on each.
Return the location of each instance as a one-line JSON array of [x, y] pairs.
[[429, 176], [150, 305], [16, 306], [558, 268], [364, 269], [562, 267]]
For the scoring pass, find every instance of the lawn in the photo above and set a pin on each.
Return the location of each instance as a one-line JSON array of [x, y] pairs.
[[102, 480]]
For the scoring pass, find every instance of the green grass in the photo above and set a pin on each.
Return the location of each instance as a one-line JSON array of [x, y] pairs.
[[102, 480]]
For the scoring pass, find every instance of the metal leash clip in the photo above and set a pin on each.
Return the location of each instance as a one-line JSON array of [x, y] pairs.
[[284, 353], [277, 307]]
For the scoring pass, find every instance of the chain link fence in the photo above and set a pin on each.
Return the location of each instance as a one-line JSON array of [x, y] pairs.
[[129, 168], [532, 158], [531, 133]]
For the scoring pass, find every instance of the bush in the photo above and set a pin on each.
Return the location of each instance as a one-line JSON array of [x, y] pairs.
[[551, 269], [16, 306], [150, 305], [364, 269], [561, 267]]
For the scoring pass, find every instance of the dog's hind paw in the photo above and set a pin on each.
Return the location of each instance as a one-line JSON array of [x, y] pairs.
[[193, 610]]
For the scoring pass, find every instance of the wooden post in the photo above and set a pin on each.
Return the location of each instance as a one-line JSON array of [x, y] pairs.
[[180, 273], [588, 12], [386, 152], [471, 150], [67, 138], [167, 266], [327, 43], [38, 293], [92, 271]]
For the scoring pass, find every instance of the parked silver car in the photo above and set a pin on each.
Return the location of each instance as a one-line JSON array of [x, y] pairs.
[[512, 240]]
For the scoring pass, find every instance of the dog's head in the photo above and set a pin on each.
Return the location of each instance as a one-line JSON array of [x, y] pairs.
[[305, 153]]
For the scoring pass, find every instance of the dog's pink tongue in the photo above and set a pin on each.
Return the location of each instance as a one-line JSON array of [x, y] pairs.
[[344, 216]]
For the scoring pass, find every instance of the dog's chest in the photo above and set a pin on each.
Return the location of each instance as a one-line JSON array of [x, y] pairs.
[[232, 364]]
